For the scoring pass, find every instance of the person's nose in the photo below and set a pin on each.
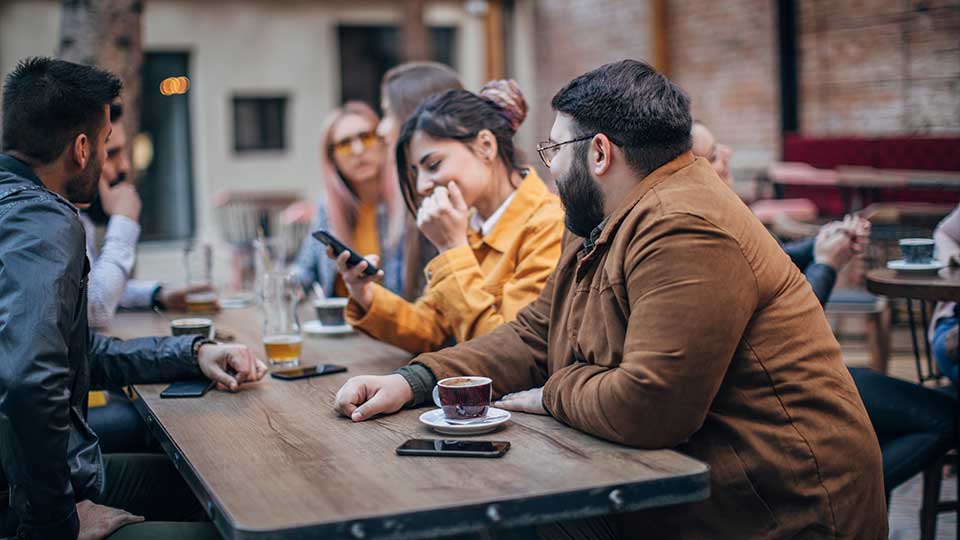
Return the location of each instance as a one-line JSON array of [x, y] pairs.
[[425, 185], [356, 146]]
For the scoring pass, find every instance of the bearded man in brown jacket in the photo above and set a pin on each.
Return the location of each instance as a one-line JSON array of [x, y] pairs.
[[673, 320]]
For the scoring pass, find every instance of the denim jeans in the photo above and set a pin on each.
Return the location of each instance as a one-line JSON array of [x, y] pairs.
[[948, 366]]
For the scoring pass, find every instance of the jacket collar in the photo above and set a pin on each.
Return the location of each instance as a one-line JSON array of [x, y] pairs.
[[649, 182], [15, 166], [529, 195]]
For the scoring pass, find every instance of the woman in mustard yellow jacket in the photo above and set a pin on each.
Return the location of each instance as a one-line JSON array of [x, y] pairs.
[[495, 224]]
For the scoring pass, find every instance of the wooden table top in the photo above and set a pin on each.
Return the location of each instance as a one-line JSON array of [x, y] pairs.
[[943, 286], [275, 461]]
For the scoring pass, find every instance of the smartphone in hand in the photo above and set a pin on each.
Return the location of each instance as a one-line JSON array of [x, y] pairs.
[[339, 247]]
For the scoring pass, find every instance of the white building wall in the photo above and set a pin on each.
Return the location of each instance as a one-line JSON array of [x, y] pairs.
[[251, 47]]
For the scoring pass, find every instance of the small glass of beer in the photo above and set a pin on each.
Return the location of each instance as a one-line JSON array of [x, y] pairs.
[[198, 262], [282, 341]]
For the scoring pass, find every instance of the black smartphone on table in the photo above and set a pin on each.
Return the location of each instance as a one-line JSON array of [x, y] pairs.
[[187, 389], [304, 372], [339, 247], [453, 448]]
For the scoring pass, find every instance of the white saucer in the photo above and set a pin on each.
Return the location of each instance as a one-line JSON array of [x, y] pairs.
[[236, 301], [916, 268], [435, 419], [315, 327]]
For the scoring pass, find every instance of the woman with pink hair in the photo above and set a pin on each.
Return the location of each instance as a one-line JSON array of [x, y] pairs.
[[362, 205]]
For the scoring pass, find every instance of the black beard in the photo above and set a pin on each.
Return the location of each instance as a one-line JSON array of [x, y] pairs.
[[581, 197], [82, 189]]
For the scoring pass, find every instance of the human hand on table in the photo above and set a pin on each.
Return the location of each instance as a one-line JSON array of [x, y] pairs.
[[176, 299], [98, 522], [359, 285], [230, 365], [528, 401], [366, 396]]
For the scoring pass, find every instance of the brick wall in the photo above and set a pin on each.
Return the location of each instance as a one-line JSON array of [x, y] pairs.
[[575, 36], [724, 54], [880, 67], [865, 66]]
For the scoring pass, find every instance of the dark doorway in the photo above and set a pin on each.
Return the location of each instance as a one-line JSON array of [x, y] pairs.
[[367, 52], [167, 184]]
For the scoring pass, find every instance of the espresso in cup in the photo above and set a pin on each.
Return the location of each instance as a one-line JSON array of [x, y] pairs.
[[192, 327], [463, 398], [917, 250], [330, 311]]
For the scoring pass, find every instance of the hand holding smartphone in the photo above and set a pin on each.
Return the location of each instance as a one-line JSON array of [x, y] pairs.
[[339, 247]]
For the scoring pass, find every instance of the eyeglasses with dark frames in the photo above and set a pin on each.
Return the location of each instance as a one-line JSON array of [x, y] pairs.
[[548, 150]]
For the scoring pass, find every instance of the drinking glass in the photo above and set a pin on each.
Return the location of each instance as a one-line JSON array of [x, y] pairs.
[[282, 341]]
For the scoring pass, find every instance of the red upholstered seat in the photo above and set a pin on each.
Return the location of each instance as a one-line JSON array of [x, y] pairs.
[[917, 153]]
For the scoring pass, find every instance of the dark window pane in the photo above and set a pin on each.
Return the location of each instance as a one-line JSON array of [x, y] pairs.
[[367, 52], [166, 186], [259, 123]]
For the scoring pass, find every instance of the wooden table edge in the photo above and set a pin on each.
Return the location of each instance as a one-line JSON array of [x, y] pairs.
[[451, 520], [879, 282]]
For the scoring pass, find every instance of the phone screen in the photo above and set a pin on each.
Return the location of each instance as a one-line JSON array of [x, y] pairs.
[[339, 247], [307, 371], [451, 447]]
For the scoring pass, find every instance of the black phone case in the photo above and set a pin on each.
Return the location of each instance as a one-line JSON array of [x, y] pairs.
[[339, 247], [401, 451], [187, 389], [283, 377]]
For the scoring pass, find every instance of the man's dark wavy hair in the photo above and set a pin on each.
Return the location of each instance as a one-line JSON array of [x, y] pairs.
[[48, 102], [638, 108]]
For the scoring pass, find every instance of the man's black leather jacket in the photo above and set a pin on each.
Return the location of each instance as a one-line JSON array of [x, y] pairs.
[[49, 359]]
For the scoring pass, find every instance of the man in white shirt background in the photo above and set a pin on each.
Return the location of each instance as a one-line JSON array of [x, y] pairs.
[[112, 416], [118, 207]]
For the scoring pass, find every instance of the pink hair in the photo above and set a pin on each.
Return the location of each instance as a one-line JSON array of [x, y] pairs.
[[342, 204]]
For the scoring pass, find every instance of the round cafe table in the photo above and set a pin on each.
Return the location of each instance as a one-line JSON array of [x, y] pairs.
[[943, 286]]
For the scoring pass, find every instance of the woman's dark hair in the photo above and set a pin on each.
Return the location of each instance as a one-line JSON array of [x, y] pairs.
[[461, 115]]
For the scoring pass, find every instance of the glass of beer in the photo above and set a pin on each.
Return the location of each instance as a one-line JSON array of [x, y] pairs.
[[282, 341], [198, 262]]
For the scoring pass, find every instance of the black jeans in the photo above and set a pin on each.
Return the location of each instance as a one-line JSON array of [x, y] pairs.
[[914, 424], [147, 485]]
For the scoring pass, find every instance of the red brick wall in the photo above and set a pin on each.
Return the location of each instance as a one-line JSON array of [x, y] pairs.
[[865, 66], [724, 54], [880, 67], [575, 36]]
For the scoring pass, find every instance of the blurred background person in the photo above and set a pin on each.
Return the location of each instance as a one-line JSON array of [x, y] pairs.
[[118, 207], [494, 223], [402, 89], [914, 425], [943, 325], [362, 205]]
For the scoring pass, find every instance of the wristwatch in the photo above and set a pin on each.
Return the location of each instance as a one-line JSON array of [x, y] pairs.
[[200, 342]]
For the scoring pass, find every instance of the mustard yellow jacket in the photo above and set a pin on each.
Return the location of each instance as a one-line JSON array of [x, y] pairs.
[[473, 289]]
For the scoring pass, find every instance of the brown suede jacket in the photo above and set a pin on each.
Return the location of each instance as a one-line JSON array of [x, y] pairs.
[[686, 326]]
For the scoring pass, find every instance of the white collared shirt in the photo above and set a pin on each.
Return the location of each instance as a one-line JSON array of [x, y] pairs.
[[484, 227]]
